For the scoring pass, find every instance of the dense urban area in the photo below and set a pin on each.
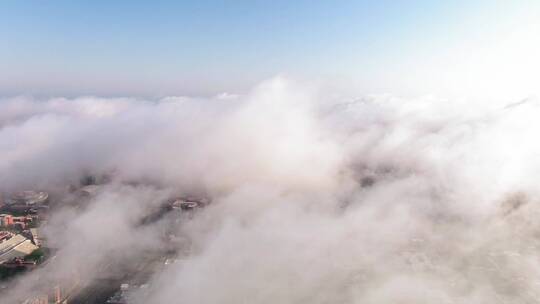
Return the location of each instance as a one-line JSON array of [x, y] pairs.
[[23, 248]]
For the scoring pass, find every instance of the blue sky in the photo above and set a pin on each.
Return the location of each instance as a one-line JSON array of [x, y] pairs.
[[156, 48]]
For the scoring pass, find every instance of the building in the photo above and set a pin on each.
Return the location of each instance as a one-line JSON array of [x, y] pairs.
[[19, 263], [29, 198], [35, 236], [5, 235], [16, 247], [6, 220], [26, 202], [19, 226]]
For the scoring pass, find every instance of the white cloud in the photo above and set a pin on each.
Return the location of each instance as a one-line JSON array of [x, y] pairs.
[[373, 201]]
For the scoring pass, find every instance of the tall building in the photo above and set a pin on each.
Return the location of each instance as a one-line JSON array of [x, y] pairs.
[[6, 220]]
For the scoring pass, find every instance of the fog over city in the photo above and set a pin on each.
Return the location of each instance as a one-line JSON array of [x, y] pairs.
[[308, 197]]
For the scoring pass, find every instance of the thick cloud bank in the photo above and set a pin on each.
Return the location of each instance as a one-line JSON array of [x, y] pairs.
[[374, 200]]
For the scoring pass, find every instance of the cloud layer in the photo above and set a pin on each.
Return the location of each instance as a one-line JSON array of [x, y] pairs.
[[372, 200]]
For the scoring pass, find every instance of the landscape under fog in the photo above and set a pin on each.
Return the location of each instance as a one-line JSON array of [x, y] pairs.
[[410, 179]]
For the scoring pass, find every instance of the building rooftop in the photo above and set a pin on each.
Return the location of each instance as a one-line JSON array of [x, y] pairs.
[[28, 198], [17, 246]]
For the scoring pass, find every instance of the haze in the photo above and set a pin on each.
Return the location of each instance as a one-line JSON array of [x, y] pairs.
[[285, 152]]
